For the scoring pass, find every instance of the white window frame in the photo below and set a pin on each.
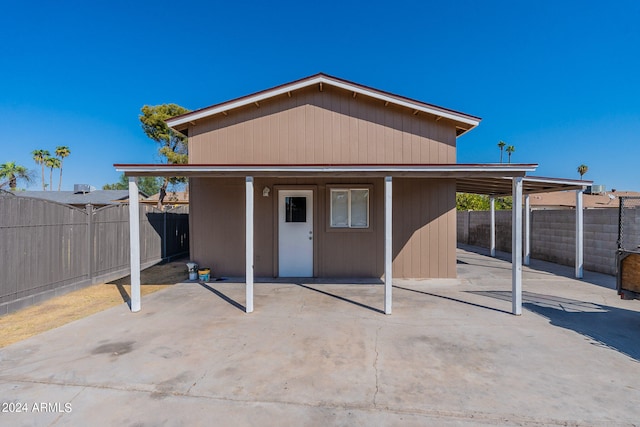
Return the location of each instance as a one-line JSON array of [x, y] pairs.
[[349, 190]]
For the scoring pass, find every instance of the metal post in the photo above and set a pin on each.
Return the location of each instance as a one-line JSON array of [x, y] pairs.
[[249, 243], [492, 210], [579, 235], [134, 243], [90, 237], [388, 243], [516, 247], [527, 231]]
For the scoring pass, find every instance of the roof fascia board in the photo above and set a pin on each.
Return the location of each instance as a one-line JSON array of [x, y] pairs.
[[446, 171], [242, 102], [316, 80], [572, 182], [403, 103]]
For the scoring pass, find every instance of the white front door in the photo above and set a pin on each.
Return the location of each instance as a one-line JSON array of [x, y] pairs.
[[295, 233]]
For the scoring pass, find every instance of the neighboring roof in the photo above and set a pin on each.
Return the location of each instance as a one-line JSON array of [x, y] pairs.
[[465, 122], [172, 197], [96, 197], [565, 199]]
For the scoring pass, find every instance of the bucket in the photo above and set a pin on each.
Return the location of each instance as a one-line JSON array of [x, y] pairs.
[[203, 274], [193, 270]]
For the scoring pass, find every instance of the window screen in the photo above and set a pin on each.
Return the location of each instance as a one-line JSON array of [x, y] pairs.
[[350, 208]]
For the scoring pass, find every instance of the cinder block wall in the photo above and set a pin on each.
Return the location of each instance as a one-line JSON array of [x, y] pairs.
[[553, 235]]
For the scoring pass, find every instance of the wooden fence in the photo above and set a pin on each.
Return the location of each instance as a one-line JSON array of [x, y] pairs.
[[48, 249]]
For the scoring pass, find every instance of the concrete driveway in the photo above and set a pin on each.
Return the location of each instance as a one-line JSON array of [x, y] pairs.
[[323, 354]]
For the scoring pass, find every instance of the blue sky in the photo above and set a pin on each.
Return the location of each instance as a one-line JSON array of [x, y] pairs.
[[559, 80]]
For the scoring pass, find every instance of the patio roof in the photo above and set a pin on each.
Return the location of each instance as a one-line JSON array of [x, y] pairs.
[[457, 170], [493, 179], [501, 186]]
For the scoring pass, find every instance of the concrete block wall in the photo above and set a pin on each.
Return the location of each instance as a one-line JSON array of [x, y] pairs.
[[553, 235]]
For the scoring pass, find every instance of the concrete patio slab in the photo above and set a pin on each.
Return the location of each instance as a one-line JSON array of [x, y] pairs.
[[323, 354]]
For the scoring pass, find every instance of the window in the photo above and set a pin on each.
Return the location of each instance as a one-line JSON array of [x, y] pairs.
[[350, 208], [296, 209]]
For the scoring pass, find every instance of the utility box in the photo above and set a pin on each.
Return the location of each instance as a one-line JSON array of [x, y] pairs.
[[628, 278]]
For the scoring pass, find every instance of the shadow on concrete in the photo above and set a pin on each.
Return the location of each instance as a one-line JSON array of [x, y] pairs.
[[608, 327], [452, 299], [123, 293], [341, 298], [224, 297], [544, 267]]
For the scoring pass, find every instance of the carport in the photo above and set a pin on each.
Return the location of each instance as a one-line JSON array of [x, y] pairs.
[[521, 247], [488, 179]]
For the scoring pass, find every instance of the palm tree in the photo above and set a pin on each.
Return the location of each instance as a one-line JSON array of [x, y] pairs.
[[582, 169], [510, 149], [12, 173], [51, 163], [39, 156], [62, 152], [501, 144]]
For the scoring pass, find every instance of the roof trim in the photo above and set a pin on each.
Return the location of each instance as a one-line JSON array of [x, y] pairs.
[[499, 187], [457, 116], [433, 170]]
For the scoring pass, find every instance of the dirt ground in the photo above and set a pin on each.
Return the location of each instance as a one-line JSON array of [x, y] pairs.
[[75, 305]]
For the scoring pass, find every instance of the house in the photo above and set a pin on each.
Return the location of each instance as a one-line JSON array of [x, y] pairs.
[[323, 177]]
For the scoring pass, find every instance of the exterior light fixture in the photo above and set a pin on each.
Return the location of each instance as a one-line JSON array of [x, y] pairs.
[[265, 192]]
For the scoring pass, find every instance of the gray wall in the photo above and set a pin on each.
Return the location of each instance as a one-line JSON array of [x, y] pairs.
[[553, 235], [48, 249]]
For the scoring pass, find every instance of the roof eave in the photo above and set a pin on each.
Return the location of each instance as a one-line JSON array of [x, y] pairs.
[[180, 122]]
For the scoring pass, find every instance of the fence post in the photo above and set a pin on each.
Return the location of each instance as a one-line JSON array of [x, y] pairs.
[[164, 234], [90, 237]]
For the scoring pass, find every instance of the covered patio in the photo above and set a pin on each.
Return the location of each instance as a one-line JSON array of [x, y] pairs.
[[490, 179]]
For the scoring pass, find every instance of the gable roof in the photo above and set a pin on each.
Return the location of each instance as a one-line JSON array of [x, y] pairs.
[[465, 122]]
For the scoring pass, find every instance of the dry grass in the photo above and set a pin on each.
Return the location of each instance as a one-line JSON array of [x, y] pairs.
[[75, 305]]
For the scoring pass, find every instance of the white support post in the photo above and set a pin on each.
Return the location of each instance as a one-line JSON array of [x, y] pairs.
[[134, 243], [527, 231], [249, 244], [579, 235], [388, 243], [516, 247], [492, 210]]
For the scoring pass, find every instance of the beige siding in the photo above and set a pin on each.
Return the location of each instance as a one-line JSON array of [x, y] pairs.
[[322, 127], [424, 228], [423, 221], [217, 212]]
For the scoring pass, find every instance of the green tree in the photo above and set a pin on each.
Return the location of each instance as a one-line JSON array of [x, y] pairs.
[[510, 150], [149, 185], [172, 145], [582, 169], [478, 202], [40, 156], [62, 152], [10, 173], [52, 163], [501, 145], [471, 202]]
